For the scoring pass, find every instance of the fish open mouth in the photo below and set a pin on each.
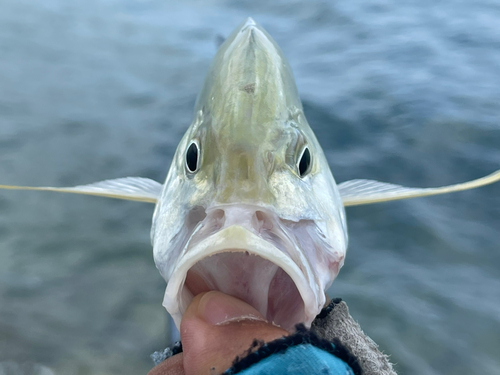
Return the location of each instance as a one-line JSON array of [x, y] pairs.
[[240, 263], [279, 267], [253, 279]]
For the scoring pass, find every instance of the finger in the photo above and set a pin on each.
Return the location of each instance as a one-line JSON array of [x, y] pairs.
[[216, 328]]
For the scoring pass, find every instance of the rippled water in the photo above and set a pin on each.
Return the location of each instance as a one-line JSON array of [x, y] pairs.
[[400, 91]]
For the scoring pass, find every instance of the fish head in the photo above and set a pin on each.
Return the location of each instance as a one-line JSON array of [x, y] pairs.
[[249, 206]]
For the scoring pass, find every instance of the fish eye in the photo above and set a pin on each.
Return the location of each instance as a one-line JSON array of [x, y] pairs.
[[193, 157], [304, 163]]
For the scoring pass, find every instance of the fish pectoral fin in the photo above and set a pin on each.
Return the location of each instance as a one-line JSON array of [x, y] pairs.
[[357, 192], [128, 188]]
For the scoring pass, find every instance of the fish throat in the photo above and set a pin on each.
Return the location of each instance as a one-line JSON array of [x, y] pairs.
[[253, 279]]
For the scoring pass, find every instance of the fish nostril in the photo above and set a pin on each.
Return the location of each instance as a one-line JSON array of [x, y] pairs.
[[262, 221], [196, 215], [219, 217]]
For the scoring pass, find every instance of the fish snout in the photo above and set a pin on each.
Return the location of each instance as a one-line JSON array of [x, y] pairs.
[[251, 218], [257, 220]]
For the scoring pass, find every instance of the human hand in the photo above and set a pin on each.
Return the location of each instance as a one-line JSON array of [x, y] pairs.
[[214, 330]]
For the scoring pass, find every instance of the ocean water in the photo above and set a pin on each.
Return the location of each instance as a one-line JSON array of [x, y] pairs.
[[406, 92]]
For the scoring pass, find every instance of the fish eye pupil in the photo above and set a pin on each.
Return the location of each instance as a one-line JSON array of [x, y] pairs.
[[192, 157], [304, 162]]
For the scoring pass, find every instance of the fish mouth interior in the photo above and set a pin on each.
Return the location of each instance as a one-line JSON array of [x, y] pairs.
[[251, 278]]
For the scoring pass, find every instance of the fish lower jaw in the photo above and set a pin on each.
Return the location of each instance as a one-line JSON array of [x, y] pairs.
[[236, 262]]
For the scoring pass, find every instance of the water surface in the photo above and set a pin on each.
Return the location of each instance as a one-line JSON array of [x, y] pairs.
[[400, 91]]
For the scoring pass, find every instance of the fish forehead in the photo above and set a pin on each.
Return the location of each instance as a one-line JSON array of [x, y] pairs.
[[251, 129], [248, 113], [249, 86]]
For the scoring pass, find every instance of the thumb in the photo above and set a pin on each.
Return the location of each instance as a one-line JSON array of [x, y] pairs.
[[216, 328]]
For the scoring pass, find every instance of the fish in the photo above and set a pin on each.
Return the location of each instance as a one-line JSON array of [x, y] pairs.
[[250, 206]]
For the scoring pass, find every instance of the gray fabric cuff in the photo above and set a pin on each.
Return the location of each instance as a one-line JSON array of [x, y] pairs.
[[334, 321]]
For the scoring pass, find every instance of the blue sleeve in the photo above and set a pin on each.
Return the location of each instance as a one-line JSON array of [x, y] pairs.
[[302, 353], [304, 359]]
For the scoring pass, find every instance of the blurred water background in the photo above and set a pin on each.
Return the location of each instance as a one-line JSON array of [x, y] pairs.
[[400, 91]]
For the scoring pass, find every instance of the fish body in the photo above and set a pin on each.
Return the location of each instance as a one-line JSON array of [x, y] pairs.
[[249, 206]]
